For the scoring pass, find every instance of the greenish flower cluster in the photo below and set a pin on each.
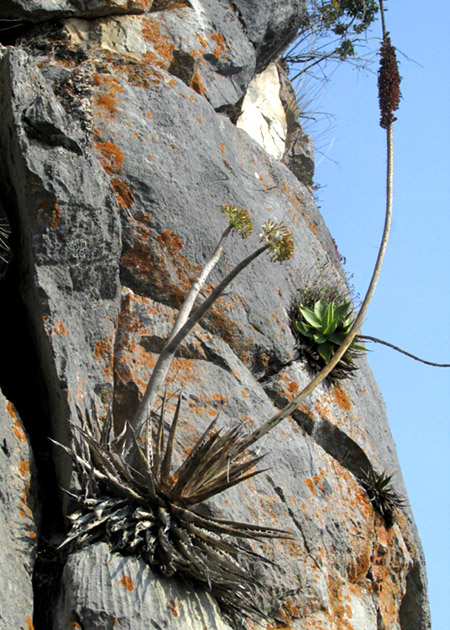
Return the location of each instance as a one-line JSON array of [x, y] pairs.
[[239, 220], [279, 239]]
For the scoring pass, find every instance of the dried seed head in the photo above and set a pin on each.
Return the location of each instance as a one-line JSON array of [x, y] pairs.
[[388, 83]]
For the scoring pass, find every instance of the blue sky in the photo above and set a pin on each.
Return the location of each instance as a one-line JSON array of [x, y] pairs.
[[411, 304]]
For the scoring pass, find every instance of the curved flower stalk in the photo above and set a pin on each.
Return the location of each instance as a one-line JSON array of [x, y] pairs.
[[275, 237], [135, 501], [151, 512], [389, 95]]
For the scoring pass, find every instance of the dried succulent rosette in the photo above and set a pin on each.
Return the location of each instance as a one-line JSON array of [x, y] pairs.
[[148, 510], [383, 498]]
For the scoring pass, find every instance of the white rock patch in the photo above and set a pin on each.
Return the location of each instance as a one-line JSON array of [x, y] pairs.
[[263, 116]]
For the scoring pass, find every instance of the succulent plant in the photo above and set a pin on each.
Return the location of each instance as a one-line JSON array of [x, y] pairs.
[[383, 498], [323, 326], [149, 510]]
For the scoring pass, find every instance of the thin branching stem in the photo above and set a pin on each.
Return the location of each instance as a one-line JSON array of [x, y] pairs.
[[196, 287], [408, 354], [165, 358]]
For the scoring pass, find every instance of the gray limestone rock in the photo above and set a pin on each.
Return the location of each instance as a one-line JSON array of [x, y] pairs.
[[67, 217], [270, 26], [41, 10], [19, 521], [116, 161], [105, 590]]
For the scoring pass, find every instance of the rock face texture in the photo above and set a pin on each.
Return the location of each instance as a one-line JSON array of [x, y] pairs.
[[119, 145], [19, 520]]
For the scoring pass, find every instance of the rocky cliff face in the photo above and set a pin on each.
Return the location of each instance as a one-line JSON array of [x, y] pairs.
[[124, 126]]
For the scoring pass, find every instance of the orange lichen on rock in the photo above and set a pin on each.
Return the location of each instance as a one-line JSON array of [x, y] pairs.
[[340, 397], [184, 371], [171, 241], [220, 47], [123, 192], [24, 509], [338, 607], [390, 565], [202, 41], [56, 216], [103, 353], [24, 467], [29, 623], [197, 85], [127, 582], [59, 329], [11, 410], [172, 606], [111, 156], [310, 484], [105, 98], [322, 409], [307, 411], [145, 5], [17, 429], [161, 42]]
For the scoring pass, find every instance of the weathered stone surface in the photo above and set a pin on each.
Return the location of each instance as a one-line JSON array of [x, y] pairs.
[[115, 164], [40, 10], [298, 151], [263, 116], [271, 26], [202, 44], [105, 590], [68, 220], [19, 521]]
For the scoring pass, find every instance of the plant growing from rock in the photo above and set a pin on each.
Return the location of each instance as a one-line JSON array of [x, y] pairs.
[[150, 512], [275, 238], [132, 497], [320, 322], [388, 94], [382, 496]]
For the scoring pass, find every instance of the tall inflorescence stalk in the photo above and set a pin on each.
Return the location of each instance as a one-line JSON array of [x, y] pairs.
[[389, 95], [388, 83]]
